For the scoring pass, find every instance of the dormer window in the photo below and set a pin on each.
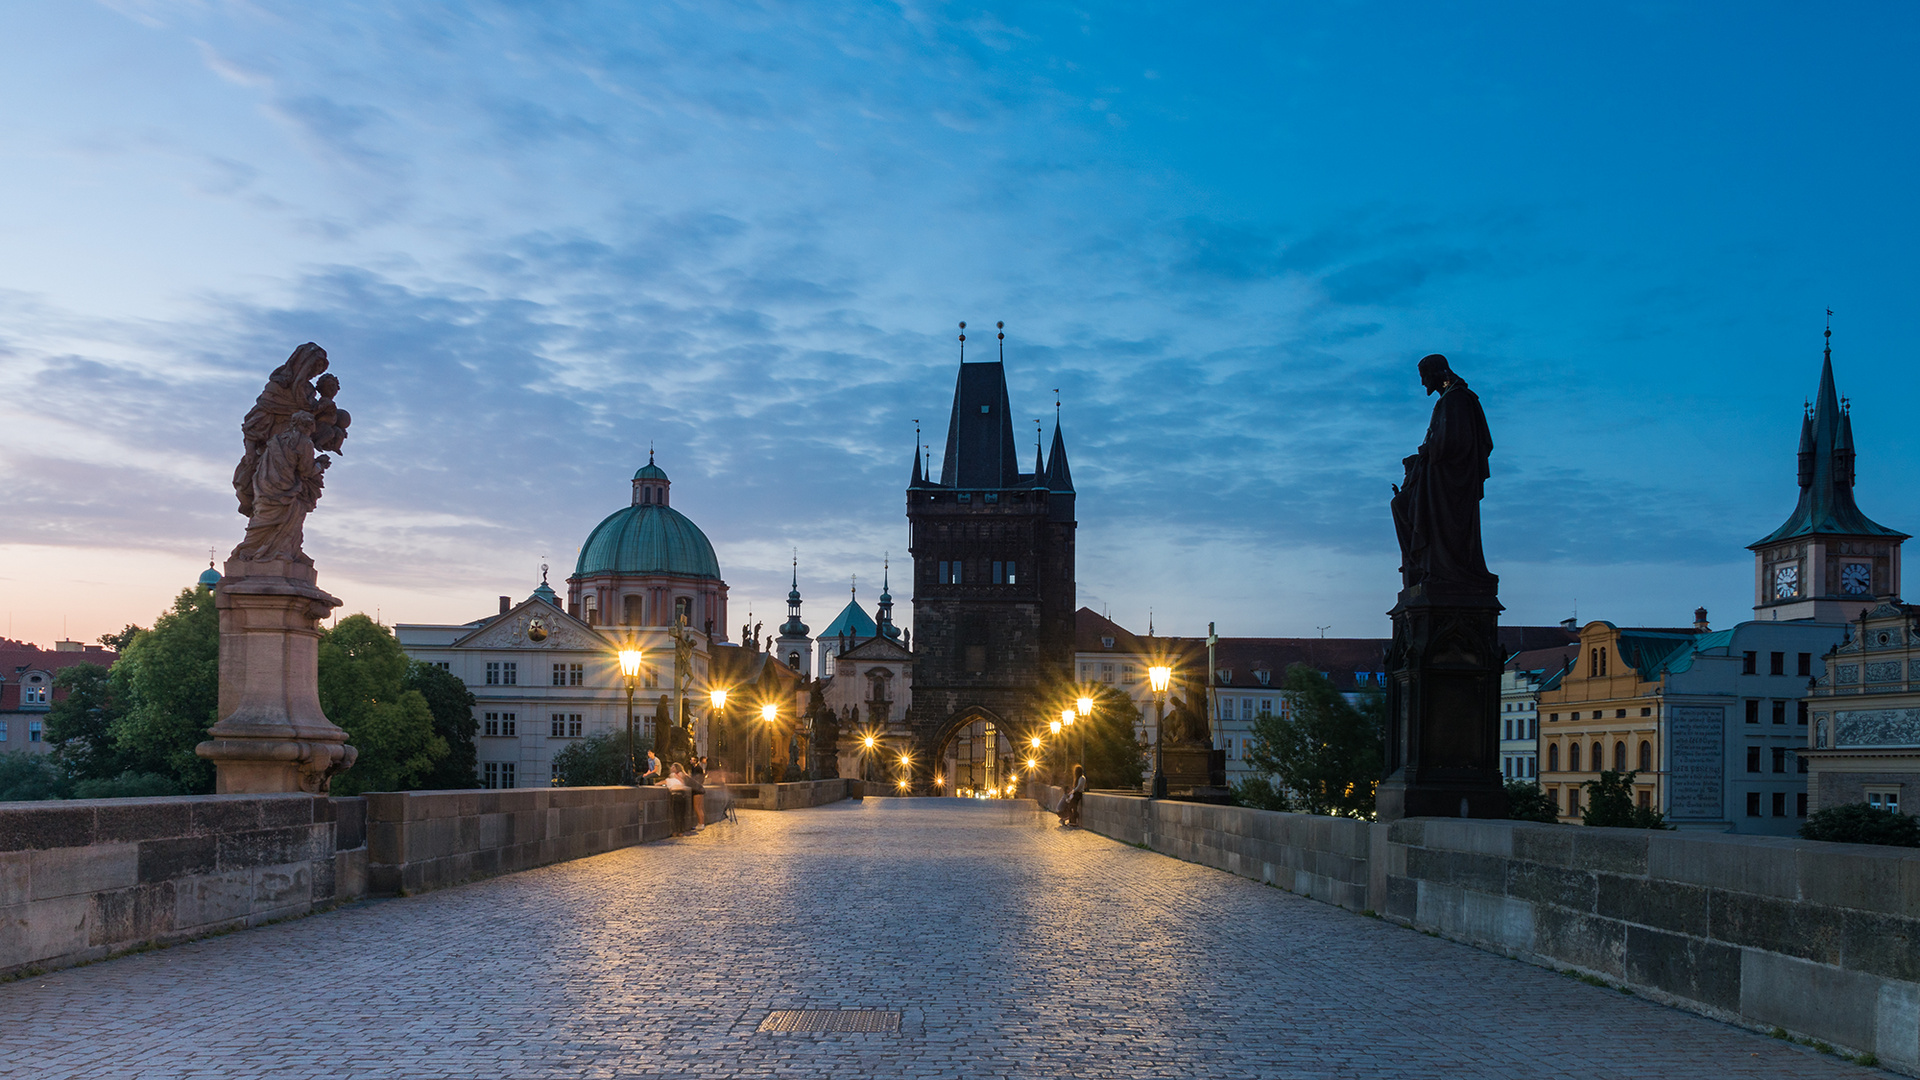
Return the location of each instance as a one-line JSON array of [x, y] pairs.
[[1265, 677], [1225, 675], [1106, 643]]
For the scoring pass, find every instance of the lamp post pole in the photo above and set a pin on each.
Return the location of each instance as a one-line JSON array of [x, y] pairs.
[[1085, 708], [716, 715], [1158, 677], [769, 713], [630, 670]]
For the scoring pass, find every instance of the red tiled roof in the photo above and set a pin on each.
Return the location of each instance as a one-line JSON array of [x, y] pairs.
[[18, 657]]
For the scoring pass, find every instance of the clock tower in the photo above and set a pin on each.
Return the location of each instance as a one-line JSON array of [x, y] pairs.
[[1829, 562]]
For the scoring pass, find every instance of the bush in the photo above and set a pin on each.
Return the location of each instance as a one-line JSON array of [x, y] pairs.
[[1610, 804], [598, 760], [28, 777], [1858, 823], [1526, 802], [128, 785], [1259, 793]]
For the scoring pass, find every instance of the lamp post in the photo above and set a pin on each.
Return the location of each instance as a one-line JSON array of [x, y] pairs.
[[769, 713], [906, 783], [1067, 717], [866, 759], [1053, 728], [1084, 706], [716, 713], [630, 670], [1157, 677]]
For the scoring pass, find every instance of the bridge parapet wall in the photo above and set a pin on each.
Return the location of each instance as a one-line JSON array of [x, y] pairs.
[[423, 840], [1822, 940], [795, 796], [83, 879]]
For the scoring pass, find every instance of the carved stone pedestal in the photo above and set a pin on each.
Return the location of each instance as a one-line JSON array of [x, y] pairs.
[[1443, 707], [272, 736]]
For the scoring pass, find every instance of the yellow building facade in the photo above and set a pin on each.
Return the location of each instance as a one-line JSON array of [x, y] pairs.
[[1604, 713]]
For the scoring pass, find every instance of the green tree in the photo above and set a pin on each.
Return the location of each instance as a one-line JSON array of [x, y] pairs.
[[1526, 802], [1858, 823], [1610, 804], [28, 777], [363, 675], [1259, 793], [1114, 757], [80, 724], [598, 760], [451, 704], [168, 681], [1327, 754], [127, 785]]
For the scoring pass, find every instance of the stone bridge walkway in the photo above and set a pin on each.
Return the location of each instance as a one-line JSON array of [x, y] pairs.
[[1009, 947]]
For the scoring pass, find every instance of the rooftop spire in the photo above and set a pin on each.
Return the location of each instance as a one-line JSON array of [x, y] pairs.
[[963, 341], [1001, 326]]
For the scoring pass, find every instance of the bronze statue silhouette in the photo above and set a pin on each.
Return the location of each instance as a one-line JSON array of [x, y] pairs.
[[1436, 509]]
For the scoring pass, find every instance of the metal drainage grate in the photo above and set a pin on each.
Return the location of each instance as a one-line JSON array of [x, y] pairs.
[[831, 1020]]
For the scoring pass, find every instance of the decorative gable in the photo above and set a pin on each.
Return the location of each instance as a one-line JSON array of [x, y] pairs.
[[536, 625]]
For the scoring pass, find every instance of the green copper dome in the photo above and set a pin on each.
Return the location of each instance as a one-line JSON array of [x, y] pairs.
[[653, 539], [650, 471]]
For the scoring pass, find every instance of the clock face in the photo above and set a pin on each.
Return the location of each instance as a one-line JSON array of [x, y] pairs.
[[1856, 578], [1786, 582]]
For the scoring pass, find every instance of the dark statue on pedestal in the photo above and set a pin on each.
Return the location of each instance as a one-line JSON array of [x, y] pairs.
[[1443, 689]]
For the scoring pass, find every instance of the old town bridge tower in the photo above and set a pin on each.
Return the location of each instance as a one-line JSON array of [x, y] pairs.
[[993, 588]]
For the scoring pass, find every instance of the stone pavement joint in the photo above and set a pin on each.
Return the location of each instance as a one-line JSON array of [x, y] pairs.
[[1008, 946]]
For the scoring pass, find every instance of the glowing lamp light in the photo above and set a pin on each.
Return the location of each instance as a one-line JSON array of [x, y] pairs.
[[768, 712], [1157, 677], [630, 662], [718, 697], [903, 784], [1085, 705], [1054, 727], [869, 741], [938, 780], [1068, 716], [1036, 742], [1032, 763]]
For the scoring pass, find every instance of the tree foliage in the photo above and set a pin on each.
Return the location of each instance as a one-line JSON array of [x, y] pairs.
[[363, 688], [80, 724], [1858, 823], [1610, 804], [598, 760], [26, 777], [451, 704], [1527, 802], [168, 681], [1259, 793], [1327, 754]]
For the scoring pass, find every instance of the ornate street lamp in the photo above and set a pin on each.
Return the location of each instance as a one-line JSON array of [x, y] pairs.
[[866, 759], [716, 714], [630, 670], [1157, 677], [1085, 707]]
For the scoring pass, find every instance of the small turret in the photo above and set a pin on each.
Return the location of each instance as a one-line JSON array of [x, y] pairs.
[[1843, 447], [886, 626], [1806, 448], [650, 484]]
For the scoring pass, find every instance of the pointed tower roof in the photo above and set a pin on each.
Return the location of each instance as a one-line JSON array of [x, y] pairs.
[[1059, 476], [1826, 481], [886, 626], [853, 621], [793, 627], [980, 447]]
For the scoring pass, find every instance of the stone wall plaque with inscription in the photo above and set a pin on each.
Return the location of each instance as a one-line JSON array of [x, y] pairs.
[[1696, 747]]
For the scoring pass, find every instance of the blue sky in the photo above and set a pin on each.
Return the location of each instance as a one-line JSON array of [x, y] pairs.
[[536, 237]]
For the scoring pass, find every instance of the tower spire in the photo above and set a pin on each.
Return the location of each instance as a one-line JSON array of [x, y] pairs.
[[963, 341], [1001, 326]]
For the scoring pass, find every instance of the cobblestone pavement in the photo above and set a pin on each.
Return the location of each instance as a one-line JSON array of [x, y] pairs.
[[1011, 947]]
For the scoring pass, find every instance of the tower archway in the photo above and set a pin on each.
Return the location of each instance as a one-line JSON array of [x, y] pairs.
[[977, 751]]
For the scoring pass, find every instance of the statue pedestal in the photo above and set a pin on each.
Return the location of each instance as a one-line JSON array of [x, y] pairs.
[[1443, 706], [272, 736], [1186, 767]]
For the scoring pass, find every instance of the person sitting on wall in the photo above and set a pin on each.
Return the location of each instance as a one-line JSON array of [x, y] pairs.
[[1070, 805], [653, 769]]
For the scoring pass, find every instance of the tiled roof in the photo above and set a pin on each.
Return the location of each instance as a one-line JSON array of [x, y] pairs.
[[18, 657]]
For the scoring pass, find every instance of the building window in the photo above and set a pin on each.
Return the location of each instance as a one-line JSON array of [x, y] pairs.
[[1646, 756], [793, 661], [1780, 712], [490, 774], [1646, 710], [1753, 759], [443, 665], [1753, 803], [1884, 799], [493, 673], [1012, 578], [574, 725], [1800, 805], [1553, 718], [1780, 759], [1266, 706], [1749, 664], [1226, 708], [1553, 758], [1779, 804], [1801, 712], [1128, 674], [491, 724], [1806, 669], [999, 573], [1246, 708], [33, 731], [3, 731], [1530, 765], [1575, 716], [1799, 763], [558, 729], [1619, 714], [1777, 665], [1106, 673], [1599, 758], [1753, 711], [1573, 800], [507, 726], [1509, 735], [1619, 757], [1646, 799], [631, 609], [559, 674], [509, 673], [1573, 757]]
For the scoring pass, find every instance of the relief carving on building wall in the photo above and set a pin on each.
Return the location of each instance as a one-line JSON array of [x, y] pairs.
[[1877, 727], [1883, 671]]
